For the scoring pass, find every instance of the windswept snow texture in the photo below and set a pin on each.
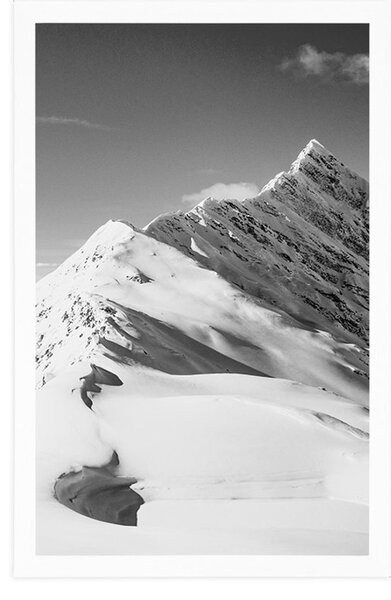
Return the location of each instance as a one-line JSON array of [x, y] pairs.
[[210, 454], [239, 331], [96, 303]]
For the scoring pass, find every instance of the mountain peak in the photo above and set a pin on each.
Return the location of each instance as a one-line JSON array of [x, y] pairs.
[[111, 231], [315, 145], [313, 148], [310, 152], [203, 203]]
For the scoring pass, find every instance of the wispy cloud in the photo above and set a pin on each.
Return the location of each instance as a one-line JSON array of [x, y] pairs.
[[46, 264], [328, 67], [221, 191], [71, 121]]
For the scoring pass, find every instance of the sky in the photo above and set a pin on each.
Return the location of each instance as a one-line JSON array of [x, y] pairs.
[[137, 120]]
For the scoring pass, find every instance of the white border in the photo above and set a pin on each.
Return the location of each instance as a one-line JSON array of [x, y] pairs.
[[26, 562]]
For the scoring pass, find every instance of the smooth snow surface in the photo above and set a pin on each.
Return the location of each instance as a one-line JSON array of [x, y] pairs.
[[212, 454]]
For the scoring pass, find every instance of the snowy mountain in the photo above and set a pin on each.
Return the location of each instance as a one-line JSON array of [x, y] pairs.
[[244, 324], [296, 259], [300, 246]]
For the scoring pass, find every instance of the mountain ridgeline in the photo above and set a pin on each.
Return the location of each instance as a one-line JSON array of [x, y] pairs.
[[300, 246], [275, 285]]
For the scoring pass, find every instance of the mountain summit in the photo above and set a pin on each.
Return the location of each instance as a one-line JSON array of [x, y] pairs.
[[300, 246], [248, 287]]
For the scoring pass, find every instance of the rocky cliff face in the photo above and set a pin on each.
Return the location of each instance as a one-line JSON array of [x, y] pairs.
[[300, 246]]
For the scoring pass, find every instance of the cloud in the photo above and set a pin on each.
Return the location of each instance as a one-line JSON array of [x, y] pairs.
[[46, 264], [71, 121], [221, 191], [328, 67]]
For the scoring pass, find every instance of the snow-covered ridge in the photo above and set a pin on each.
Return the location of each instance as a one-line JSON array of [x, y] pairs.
[[293, 253], [301, 245], [312, 146], [238, 331], [112, 302], [102, 241]]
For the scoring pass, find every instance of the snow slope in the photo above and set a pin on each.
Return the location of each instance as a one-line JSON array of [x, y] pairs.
[[239, 331], [215, 444], [106, 296]]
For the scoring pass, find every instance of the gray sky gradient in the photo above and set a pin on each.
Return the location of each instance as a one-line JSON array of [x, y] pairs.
[[132, 119]]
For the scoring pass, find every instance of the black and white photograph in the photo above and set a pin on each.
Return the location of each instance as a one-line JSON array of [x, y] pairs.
[[202, 297]]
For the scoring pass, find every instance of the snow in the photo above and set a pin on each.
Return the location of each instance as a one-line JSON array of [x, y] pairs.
[[233, 236], [208, 457], [301, 245], [186, 296], [270, 185], [227, 463], [317, 146], [196, 248], [315, 527]]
